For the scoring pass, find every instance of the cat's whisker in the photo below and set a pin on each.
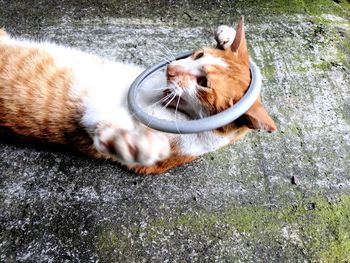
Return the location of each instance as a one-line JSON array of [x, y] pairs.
[[160, 89], [163, 108], [164, 49], [161, 50], [162, 55], [167, 104], [160, 101], [176, 108], [167, 53], [164, 58], [170, 53], [163, 88]]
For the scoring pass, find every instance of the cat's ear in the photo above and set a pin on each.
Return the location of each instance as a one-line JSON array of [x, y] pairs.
[[239, 44], [258, 118]]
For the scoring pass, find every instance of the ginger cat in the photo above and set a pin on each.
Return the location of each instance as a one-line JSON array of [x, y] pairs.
[[65, 96]]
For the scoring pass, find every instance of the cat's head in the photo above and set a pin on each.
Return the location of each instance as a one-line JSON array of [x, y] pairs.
[[213, 79]]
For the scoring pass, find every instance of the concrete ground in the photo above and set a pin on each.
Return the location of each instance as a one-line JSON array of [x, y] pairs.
[[281, 197]]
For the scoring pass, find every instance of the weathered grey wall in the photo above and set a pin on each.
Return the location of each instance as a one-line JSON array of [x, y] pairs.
[[270, 198]]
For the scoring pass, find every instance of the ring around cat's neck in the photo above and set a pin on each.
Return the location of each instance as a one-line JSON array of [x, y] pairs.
[[199, 125]]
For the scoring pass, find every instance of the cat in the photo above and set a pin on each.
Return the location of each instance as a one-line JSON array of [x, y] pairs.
[[65, 96]]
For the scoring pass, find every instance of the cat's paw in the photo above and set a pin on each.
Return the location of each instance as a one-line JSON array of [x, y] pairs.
[[132, 147], [224, 36]]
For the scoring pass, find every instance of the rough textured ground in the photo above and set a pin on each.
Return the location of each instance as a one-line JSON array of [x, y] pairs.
[[282, 197]]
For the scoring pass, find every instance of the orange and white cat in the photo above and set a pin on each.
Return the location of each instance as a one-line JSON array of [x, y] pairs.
[[62, 95]]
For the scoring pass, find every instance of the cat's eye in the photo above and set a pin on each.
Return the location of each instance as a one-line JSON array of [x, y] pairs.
[[202, 81], [198, 55]]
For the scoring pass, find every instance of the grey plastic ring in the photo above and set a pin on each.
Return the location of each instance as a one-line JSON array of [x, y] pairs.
[[199, 125]]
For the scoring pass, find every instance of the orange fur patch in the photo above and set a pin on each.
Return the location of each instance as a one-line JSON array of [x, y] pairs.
[[2, 32], [175, 159], [34, 97], [163, 166], [227, 85]]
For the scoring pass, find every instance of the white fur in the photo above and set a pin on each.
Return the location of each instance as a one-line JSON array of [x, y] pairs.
[[224, 36], [195, 67], [102, 85]]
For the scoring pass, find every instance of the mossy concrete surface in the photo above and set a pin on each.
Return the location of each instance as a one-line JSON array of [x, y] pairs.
[[281, 197]]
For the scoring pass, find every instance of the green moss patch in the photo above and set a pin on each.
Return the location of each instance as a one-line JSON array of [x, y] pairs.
[[315, 227], [311, 7]]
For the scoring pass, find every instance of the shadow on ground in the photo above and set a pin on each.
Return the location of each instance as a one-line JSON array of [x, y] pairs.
[[269, 198]]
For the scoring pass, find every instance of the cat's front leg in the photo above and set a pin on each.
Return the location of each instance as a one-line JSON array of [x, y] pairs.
[[224, 36], [138, 146]]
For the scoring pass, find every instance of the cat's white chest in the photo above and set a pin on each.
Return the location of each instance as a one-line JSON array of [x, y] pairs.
[[198, 144]]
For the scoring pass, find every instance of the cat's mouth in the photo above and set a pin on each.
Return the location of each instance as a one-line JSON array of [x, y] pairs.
[[176, 102]]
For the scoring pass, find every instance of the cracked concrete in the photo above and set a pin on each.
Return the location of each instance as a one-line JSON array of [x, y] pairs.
[[268, 198]]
